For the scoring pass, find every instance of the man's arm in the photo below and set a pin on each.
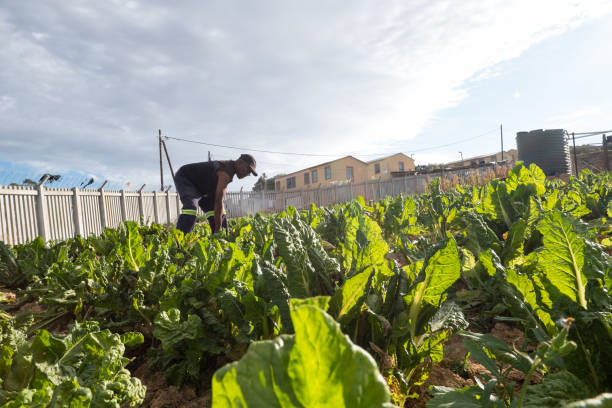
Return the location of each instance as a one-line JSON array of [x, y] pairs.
[[223, 179]]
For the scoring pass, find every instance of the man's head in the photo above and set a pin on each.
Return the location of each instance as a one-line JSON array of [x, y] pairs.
[[245, 165]]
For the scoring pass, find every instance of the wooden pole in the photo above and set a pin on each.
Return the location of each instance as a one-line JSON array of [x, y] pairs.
[[501, 131], [168, 157], [161, 167], [575, 159]]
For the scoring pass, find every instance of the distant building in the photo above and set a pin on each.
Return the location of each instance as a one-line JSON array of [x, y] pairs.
[[346, 169], [509, 156]]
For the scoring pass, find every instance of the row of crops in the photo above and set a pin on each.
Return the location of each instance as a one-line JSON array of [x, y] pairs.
[[346, 306]]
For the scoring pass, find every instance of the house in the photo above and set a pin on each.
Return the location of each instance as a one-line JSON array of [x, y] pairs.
[[509, 156], [346, 169], [382, 168]]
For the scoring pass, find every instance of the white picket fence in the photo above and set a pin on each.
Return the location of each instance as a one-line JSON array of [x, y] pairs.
[[56, 214], [240, 204]]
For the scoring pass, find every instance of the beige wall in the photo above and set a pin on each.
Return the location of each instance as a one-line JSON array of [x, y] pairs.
[[338, 175], [387, 165], [361, 172]]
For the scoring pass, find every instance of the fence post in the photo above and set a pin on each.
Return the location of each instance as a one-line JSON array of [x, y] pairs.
[[379, 190], [102, 202], [123, 206], [168, 205], [178, 206], [155, 207], [241, 204], [141, 205], [42, 212], [263, 198], [77, 213], [604, 141]]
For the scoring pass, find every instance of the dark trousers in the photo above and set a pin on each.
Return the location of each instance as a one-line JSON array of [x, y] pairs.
[[191, 198]]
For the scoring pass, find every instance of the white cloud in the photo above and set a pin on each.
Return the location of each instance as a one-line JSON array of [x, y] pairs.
[[6, 103], [94, 81]]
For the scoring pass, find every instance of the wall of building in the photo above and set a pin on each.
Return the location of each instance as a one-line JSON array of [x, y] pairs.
[[338, 175], [387, 165]]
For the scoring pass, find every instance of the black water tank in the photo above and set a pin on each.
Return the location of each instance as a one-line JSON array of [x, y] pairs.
[[546, 148]]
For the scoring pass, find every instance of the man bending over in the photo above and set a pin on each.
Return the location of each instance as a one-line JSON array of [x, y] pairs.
[[204, 184]]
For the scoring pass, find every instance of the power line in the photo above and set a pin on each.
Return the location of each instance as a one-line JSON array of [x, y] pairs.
[[454, 143], [323, 155], [249, 149], [585, 134]]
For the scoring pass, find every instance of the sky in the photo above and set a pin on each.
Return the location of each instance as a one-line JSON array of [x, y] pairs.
[[85, 86]]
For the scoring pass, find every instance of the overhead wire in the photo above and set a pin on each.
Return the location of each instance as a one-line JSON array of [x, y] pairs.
[[412, 151], [585, 134], [456, 142], [246, 148]]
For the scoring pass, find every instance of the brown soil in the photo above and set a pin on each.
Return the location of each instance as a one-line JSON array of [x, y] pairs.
[[511, 335], [161, 395], [439, 375], [33, 307], [446, 372], [397, 257]]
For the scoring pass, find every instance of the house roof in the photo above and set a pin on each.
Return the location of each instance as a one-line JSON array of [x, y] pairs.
[[386, 157], [340, 158]]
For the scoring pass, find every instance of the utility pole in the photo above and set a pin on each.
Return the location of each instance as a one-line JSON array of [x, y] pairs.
[[161, 167], [575, 159], [604, 140], [461, 156], [501, 131], [209, 155]]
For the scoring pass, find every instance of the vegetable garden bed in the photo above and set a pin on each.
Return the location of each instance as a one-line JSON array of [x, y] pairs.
[[493, 296]]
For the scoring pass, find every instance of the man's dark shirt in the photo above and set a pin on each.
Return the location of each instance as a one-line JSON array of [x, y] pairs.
[[203, 175]]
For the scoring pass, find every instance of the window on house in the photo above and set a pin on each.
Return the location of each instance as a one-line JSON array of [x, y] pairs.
[[278, 186], [401, 166], [349, 173], [377, 168], [315, 176], [306, 178], [494, 159], [327, 173], [291, 182]]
